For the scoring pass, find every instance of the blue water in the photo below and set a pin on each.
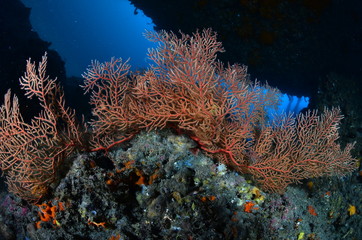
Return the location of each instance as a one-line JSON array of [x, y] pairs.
[[292, 104], [81, 30]]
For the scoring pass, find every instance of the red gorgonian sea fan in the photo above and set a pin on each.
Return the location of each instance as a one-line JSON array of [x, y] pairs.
[[218, 107], [30, 153], [185, 88]]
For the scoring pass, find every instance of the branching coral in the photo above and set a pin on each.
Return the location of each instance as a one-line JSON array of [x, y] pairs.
[[185, 88]]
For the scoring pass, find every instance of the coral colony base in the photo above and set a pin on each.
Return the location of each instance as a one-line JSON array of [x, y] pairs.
[[187, 90]]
